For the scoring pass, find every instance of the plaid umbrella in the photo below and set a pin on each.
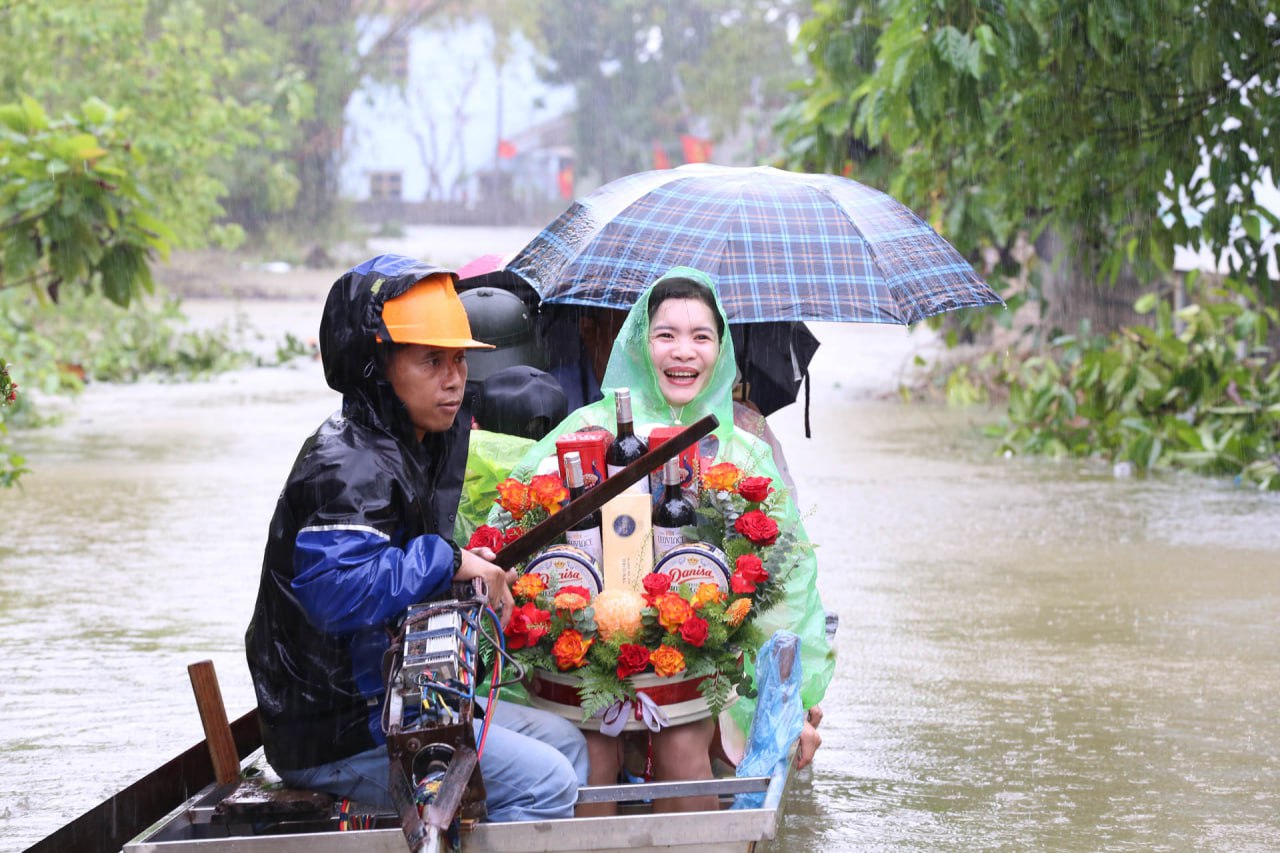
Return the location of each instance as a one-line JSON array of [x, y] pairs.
[[783, 246]]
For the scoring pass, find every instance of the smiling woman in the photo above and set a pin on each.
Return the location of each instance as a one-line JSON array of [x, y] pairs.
[[684, 338]]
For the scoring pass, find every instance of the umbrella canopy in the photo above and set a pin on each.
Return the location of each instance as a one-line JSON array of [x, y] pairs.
[[783, 246]]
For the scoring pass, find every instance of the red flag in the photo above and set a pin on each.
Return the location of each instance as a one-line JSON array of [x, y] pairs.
[[506, 150], [696, 150], [565, 179], [660, 158]]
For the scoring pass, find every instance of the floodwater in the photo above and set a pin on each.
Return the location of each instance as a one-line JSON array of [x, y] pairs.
[[1033, 656]]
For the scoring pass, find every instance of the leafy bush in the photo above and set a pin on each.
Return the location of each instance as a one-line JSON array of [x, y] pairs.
[[1199, 389]]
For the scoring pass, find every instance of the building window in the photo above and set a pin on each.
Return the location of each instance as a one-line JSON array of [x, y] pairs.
[[395, 59], [384, 186]]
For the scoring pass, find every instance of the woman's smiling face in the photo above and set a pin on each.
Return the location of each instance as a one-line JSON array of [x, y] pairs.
[[683, 345]]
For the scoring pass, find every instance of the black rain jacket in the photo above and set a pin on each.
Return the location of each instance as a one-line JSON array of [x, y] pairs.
[[362, 530]]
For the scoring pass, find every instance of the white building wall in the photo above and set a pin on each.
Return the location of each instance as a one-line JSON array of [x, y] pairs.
[[448, 117]]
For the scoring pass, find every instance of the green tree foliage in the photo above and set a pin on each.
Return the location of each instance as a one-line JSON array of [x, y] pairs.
[[646, 71], [1090, 118], [187, 102], [113, 116], [71, 208], [1125, 129]]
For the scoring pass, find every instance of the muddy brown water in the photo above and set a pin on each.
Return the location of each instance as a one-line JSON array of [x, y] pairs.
[[1032, 656]]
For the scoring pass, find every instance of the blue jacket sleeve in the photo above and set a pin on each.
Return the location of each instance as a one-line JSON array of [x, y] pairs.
[[350, 576]]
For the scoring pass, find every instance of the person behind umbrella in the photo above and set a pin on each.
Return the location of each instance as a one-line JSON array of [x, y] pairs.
[[362, 531], [674, 355]]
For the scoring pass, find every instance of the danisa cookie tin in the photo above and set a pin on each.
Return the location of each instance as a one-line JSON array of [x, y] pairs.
[[695, 563], [565, 565]]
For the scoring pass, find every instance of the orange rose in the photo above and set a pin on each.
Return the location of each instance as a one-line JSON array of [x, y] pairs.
[[513, 496], [667, 661], [672, 611], [567, 602], [707, 593], [570, 650], [737, 611], [548, 492], [722, 477], [528, 586]]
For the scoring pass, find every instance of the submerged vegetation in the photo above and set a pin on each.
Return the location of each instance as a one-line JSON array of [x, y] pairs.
[[1198, 389], [56, 349]]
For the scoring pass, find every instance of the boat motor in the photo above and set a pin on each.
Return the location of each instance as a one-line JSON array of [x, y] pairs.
[[431, 677]]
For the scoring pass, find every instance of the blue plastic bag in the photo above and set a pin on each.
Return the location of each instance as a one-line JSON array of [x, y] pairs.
[[779, 715]]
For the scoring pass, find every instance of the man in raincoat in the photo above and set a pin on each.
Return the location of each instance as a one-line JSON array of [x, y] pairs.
[[362, 530], [800, 610]]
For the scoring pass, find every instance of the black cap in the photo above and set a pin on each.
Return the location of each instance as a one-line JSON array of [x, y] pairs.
[[520, 400]]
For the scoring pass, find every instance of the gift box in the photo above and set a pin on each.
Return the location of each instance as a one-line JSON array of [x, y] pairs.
[[690, 463], [591, 445]]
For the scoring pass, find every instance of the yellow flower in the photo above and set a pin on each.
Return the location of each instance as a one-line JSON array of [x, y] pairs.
[[546, 491], [722, 477], [529, 586], [737, 611], [567, 602], [570, 650], [673, 610], [513, 496], [667, 661], [707, 593]]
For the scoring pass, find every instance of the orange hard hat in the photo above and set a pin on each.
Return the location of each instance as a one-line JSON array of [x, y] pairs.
[[429, 313]]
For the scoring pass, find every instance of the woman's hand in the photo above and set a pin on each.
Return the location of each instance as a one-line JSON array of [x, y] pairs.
[[810, 740], [497, 580]]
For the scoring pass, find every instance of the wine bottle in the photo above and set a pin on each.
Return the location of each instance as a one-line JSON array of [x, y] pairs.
[[627, 447], [586, 533], [673, 513]]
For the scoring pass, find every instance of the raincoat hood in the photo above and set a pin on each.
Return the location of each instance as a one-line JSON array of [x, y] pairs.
[[349, 328], [631, 367]]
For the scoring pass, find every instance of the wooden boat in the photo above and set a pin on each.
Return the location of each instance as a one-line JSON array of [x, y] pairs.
[[223, 819], [220, 796]]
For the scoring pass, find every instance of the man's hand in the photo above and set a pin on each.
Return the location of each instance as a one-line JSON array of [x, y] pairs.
[[810, 740], [476, 564]]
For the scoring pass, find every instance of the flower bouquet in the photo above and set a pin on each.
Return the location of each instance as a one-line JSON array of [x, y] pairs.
[[622, 648]]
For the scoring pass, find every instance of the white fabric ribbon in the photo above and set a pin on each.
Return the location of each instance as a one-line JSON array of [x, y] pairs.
[[614, 718]]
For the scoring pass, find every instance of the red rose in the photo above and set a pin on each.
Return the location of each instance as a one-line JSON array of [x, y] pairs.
[[631, 659], [487, 536], [511, 534], [751, 568], [755, 489], [694, 631], [760, 529], [528, 625], [655, 584]]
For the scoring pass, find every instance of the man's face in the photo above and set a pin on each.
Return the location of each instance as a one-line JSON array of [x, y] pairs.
[[429, 381]]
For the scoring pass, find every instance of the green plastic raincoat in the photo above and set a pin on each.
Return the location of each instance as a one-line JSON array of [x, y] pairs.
[[800, 609], [489, 461]]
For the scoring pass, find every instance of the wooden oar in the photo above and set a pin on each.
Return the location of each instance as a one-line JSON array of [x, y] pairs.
[[545, 532], [107, 826]]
